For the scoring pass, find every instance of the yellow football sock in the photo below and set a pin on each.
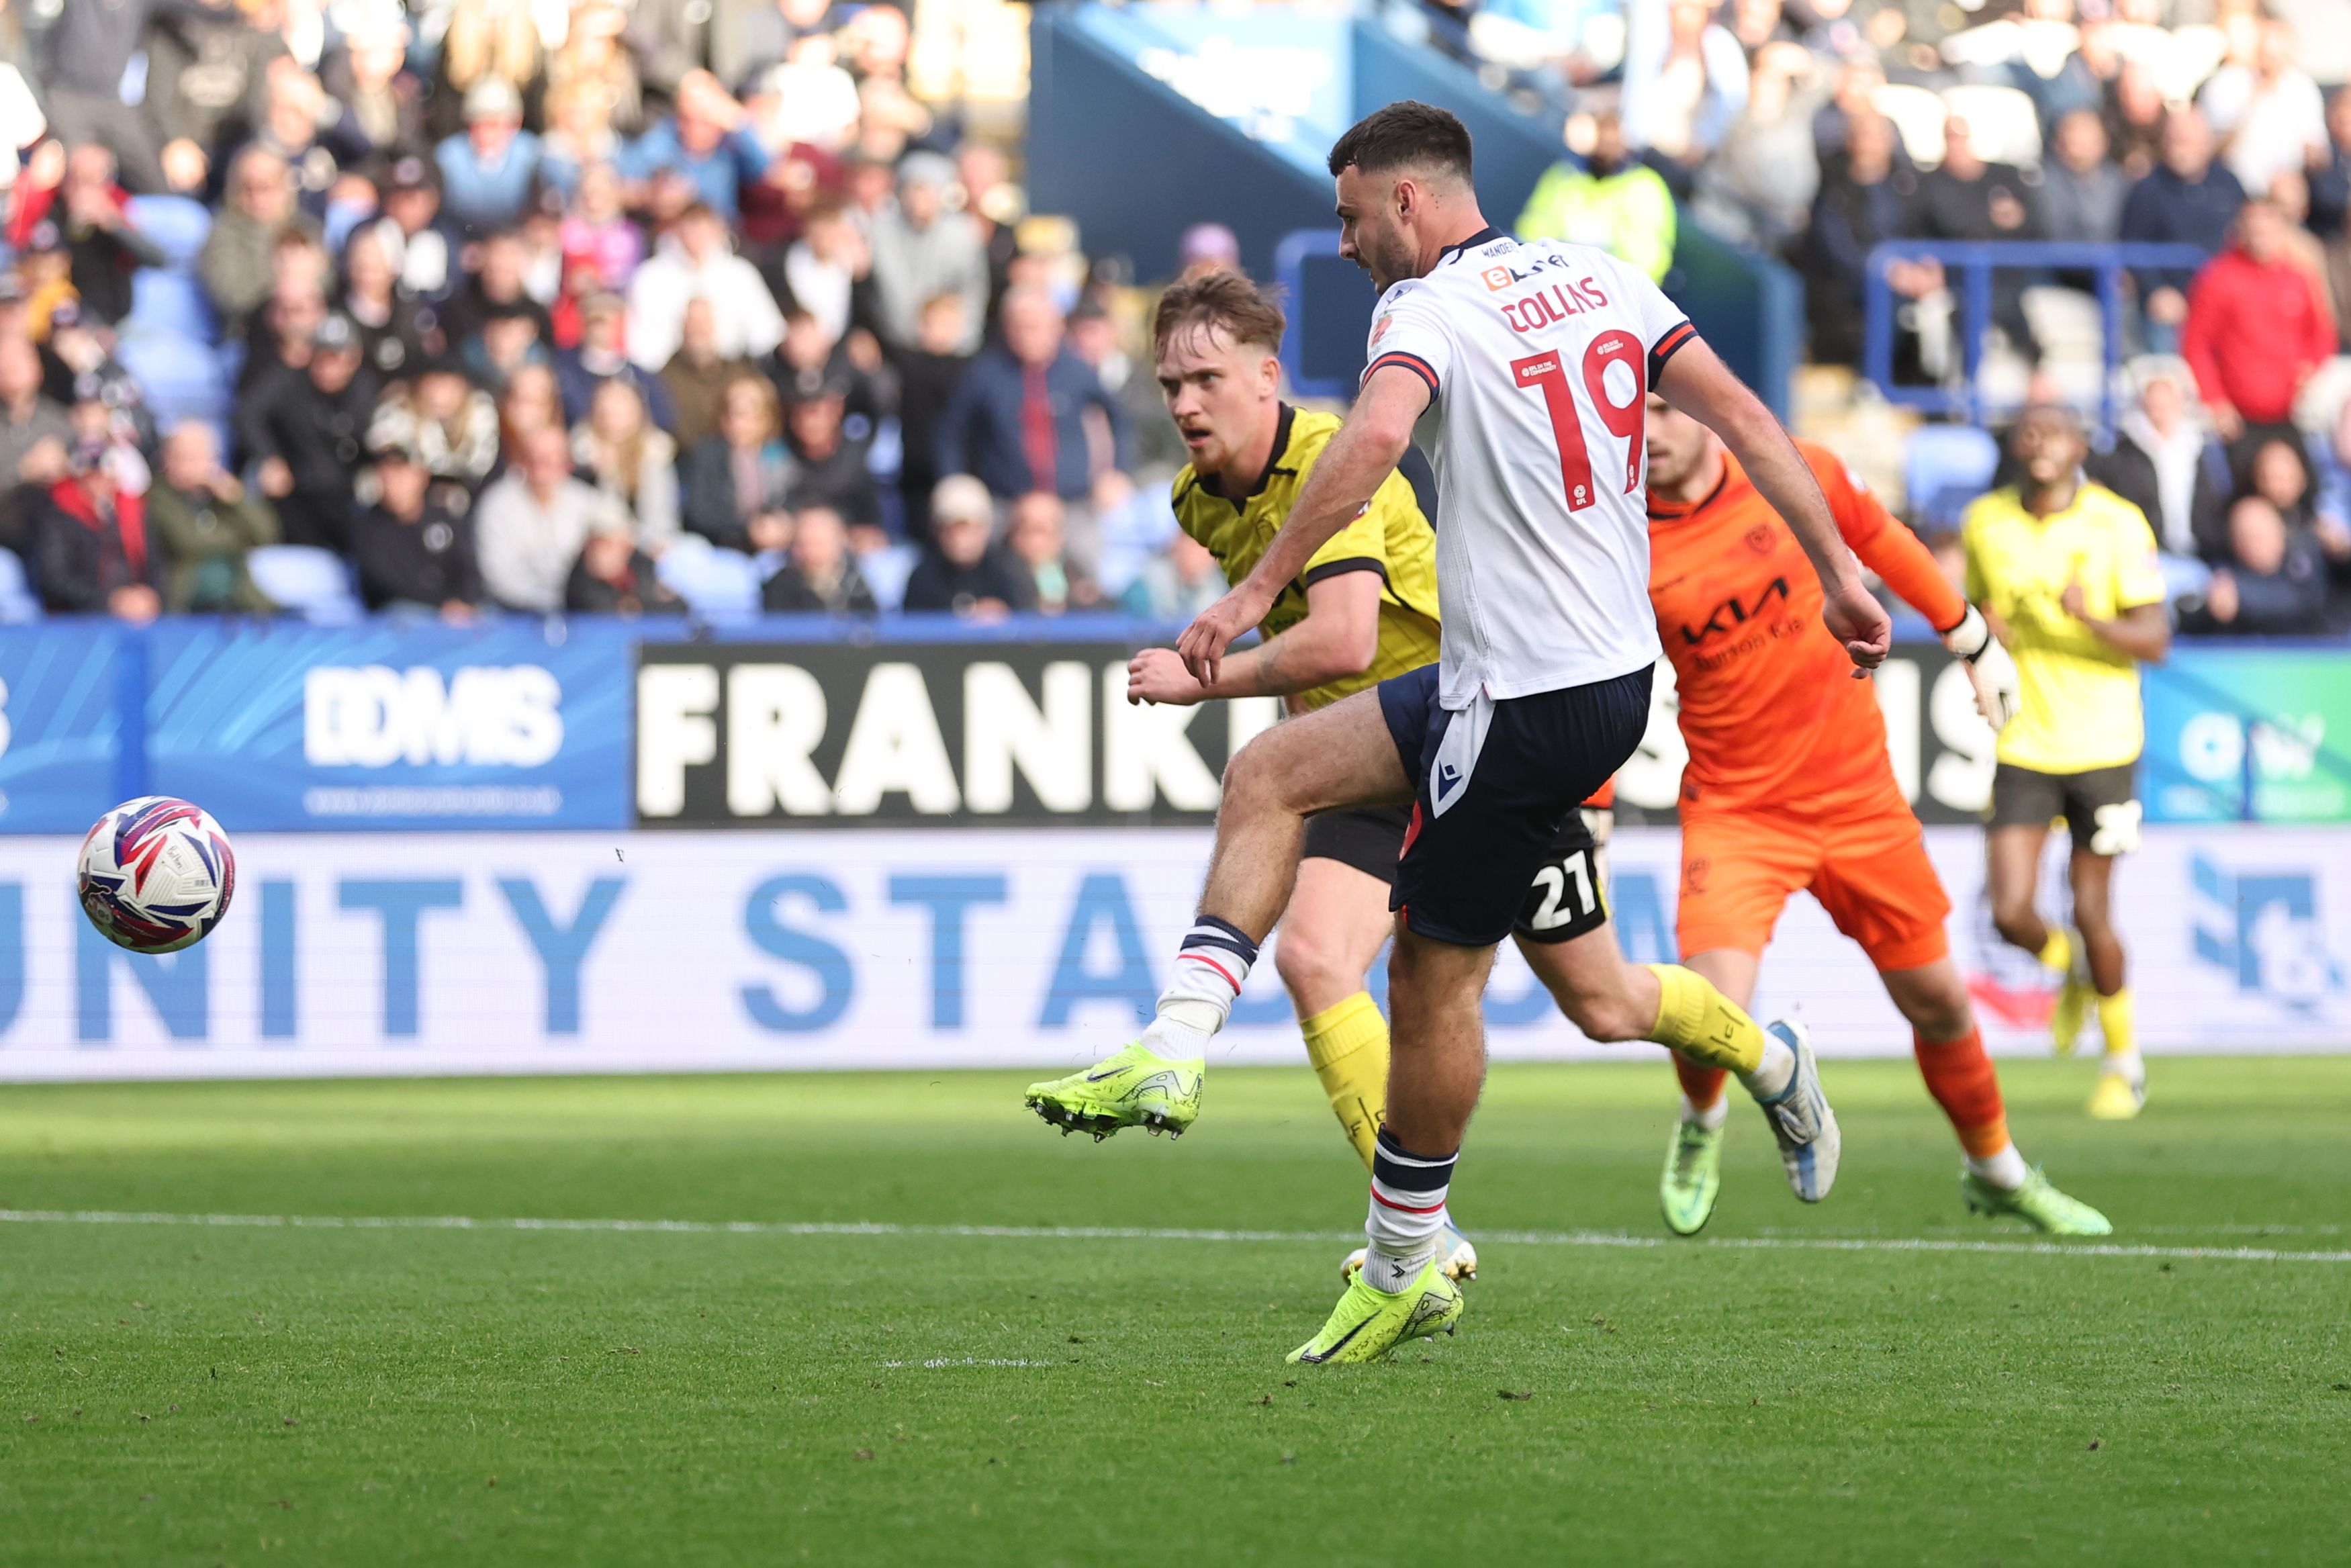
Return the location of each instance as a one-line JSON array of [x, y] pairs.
[[1701, 1023], [2119, 1021], [1347, 1042], [2057, 953]]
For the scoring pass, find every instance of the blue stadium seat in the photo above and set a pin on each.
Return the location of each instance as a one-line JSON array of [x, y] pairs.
[[17, 604], [179, 375], [1947, 466], [307, 581], [170, 302], [719, 585], [885, 572], [177, 225]]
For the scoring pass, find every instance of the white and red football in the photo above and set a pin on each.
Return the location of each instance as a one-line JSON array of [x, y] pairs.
[[156, 874]]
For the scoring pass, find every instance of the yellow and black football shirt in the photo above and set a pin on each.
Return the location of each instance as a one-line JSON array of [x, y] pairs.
[[2081, 694], [1391, 536]]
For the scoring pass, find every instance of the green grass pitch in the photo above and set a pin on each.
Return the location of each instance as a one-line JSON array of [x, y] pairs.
[[176, 1393]]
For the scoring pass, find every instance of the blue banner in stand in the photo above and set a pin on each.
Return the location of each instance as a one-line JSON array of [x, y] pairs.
[[60, 726], [406, 725]]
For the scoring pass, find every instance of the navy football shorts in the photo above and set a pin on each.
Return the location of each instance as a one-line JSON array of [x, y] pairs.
[[1491, 810]]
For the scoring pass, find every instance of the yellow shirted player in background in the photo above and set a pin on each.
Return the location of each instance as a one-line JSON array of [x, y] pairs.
[[2066, 571]]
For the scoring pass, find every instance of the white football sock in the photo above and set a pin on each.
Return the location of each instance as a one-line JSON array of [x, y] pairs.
[[2005, 1170], [1771, 1074], [1211, 967], [1408, 1213], [1712, 1117]]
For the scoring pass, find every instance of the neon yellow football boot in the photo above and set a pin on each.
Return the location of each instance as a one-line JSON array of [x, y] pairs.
[[2118, 1096], [2038, 1203], [1367, 1324], [1693, 1177], [1132, 1089], [2075, 996]]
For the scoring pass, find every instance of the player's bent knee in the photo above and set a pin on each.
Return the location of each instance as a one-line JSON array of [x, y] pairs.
[[1309, 968], [2018, 925]]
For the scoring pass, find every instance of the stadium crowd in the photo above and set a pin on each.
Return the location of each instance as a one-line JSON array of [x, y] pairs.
[[481, 306], [1819, 128], [459, 306]]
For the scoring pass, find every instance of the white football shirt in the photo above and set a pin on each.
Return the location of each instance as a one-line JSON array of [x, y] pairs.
[[1539, 357]]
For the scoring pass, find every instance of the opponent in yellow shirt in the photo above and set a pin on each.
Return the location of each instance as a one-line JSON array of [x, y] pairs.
[[1392, 540], [2067, 571]]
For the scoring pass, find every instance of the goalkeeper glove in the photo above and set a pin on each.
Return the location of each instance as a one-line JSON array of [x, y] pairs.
[[1989, 669]]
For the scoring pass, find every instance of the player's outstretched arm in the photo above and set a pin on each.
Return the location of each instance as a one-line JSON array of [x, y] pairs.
[[1698, 384], [1358, 460], [1340, 637]]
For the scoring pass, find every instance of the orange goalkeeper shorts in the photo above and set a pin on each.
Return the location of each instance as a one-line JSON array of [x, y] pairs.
[[1869, 868]]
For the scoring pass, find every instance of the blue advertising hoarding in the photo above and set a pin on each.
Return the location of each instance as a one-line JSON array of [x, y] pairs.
[[393, 726], [60, 726], [2249, 734]]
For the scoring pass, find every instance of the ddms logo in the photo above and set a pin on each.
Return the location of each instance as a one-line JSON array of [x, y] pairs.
[[2263, 928], [372, 715]]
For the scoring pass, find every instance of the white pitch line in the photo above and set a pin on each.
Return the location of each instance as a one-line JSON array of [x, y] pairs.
[[1153, 1233]]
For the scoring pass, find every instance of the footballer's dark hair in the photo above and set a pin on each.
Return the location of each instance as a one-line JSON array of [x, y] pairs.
[[1406, 135], [1249, 314]]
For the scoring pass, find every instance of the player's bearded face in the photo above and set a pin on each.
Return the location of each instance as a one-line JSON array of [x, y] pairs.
[[1371, 227], [1677, 443]]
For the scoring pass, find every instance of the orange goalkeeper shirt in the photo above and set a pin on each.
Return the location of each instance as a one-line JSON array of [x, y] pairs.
[[1770, 709]]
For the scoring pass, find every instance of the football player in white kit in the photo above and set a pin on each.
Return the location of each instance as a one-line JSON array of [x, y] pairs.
[[1539, 358]]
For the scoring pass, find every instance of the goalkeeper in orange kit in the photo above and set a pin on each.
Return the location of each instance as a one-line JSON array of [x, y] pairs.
[[1789, 787]]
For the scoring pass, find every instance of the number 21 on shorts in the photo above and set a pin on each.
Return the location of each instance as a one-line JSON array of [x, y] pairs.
[[1626, 421]]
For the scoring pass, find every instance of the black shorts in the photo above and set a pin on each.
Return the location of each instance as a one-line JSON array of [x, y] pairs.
[[1485, 862], [2101, 806], [1569, 897]]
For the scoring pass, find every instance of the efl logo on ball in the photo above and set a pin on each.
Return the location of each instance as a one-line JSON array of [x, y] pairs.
[[156, 874]]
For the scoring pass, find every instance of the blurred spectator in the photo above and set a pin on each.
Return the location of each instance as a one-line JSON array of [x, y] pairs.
[[601, 358], [749, 37], [810, 363], [376, 103], [821, 577], [91, 551], [1017, 422], [828, 469], [706, 143], [1864, 200], [2290, 194], [205, 524], [822, 266], [2256, 326], [82, 369], [206, 73], [529, 403], [2134, 116], [509, 340], [613, 577], [2267, 111], [2189, 200], [1685, 80], [304, 428], [1614, 202], [1177, 584], [2272, 583], [441, 421], [2082, 191], [500, 285], [1759, 185], [413, 551], [2330, 174], [292, 108], [995, 204], [736, 479], [90, 48], [694, 262], [592, 83], [237, 262], [698, 375], [488, 169], [278, 335], [2164, 464], [530, 526], [35, 433], [393, 329], [1033, 536], [596, 232], [1100, 343], [961, 572], [921, 250], [617, 449], [2279, 471], [105, 245], [928, 373], [1969, 199], [424, 245], [1208, 247]]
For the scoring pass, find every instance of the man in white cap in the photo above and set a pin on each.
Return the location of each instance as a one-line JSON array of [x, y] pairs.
[[486, 172]]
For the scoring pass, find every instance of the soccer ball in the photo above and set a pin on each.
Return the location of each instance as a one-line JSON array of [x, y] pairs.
[[156, 874]]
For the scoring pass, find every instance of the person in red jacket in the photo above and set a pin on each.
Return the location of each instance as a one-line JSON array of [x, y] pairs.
[[2256, 326]]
